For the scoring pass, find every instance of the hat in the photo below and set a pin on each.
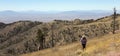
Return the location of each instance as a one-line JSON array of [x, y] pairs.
[[83, 36]]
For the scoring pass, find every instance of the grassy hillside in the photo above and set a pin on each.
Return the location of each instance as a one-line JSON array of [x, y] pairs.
[[99, 46], [20, 37]]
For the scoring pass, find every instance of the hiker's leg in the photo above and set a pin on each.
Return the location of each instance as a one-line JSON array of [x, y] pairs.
[[83, 46]]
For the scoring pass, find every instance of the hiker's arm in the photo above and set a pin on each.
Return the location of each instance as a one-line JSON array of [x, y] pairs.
[[81, 40]]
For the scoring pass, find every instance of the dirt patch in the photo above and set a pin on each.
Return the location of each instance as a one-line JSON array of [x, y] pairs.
[[113, 53]]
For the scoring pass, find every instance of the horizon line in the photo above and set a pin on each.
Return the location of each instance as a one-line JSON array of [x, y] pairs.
[[54, 10]]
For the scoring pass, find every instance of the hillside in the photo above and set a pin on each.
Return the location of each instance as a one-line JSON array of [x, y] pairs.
[[99, 46], [20, 37]]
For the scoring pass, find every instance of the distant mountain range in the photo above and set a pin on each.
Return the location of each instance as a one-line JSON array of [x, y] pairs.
[[12, 16]]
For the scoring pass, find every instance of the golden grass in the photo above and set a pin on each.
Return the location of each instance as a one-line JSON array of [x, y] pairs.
[[98, 46], [103, 45]]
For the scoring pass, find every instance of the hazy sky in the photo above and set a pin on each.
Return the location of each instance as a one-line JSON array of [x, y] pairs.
[[58, 5]]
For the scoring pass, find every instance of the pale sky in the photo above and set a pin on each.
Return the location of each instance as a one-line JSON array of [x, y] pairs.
[[58, 5]]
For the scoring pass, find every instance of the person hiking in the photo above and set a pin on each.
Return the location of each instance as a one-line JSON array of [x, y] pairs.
[[83, 42]]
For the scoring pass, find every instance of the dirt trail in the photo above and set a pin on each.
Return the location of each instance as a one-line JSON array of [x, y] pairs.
[[113, 53]]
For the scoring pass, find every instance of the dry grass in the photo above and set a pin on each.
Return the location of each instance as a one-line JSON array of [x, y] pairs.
[[99, 46], [103, 45]]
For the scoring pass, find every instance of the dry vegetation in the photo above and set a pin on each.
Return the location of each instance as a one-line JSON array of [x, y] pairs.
[[99, 46], [20, 37]]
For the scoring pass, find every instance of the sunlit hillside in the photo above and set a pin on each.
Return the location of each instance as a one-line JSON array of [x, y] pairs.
[[21, 37], [108, 45]]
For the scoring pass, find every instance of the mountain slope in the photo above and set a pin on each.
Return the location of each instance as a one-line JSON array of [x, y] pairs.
[[101, 46], [20, 37]]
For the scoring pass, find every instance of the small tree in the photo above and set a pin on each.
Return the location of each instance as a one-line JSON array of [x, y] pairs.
[[115, 25], [113, 22], [40, 38], [77, 22]]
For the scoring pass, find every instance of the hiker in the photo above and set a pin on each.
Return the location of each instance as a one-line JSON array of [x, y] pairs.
[[83, 41]]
